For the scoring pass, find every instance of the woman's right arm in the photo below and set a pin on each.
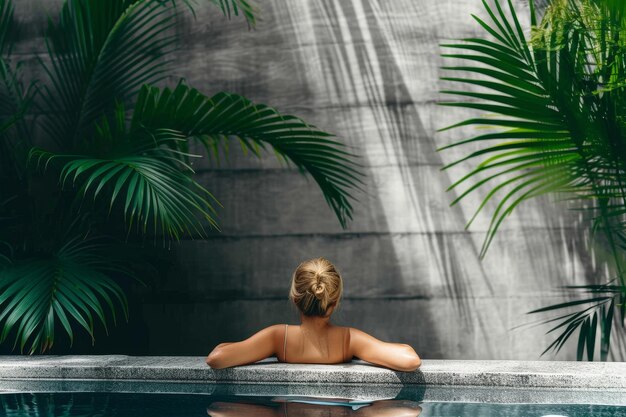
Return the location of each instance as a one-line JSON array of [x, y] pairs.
[[396, 356], [258, 346]]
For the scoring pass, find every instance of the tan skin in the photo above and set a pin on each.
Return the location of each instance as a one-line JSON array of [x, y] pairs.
[[310, 342], [385, 408]]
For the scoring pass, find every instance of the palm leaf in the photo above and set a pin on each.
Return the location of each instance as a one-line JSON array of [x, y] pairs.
[[597, 315], [101, 51], [188, 113], [71, 286], [235, 7], [147, 165], [536, 128], [559, 109], [7, 27], [148, 187], [14, 98]]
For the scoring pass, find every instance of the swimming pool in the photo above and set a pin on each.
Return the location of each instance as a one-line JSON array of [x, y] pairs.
[[101, 386], [409, 401]]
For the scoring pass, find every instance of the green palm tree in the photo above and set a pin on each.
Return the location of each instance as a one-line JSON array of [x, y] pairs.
[[558, 103], [113, 161]]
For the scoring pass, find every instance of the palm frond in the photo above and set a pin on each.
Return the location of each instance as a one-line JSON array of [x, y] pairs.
[[149, 186], [535, 137], [74, 285], [102, 51], [188, 113], [7, 27], [544, 107], [597, 314], [14, 98], [235, 7], [147, 165], [558, 101]]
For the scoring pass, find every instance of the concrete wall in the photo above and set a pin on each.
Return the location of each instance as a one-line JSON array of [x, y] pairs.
[[368, 71]]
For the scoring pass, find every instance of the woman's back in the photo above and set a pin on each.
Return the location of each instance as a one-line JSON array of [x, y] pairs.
[[316, 289], [307, 344]]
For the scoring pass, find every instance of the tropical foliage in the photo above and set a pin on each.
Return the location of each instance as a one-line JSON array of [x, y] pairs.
[[556, 101], [108, 162]]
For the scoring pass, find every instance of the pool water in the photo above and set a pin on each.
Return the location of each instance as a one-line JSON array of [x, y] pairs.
[[116, 404]]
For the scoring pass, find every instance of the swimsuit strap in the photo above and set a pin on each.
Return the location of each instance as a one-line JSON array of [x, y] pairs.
[[285, 345], [343, 345]]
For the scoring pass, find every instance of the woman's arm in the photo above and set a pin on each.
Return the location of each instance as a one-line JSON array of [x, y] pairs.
[[396, 356], [226, 409], [259, 346]]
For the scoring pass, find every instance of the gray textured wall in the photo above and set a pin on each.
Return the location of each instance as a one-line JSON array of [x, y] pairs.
[[368, 71]]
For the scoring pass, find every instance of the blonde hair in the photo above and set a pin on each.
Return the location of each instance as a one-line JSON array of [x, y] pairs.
[[316, 287]]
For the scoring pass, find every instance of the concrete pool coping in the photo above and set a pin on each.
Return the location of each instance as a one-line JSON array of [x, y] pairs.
[[437, 381], [372, 392], [513, 374]]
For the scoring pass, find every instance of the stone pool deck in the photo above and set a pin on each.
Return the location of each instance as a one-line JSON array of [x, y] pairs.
[[514, 374], [436, 381]]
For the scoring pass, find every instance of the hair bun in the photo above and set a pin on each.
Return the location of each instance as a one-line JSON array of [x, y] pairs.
[[318, 288]]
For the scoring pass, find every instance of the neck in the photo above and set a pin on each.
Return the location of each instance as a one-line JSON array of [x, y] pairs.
[[314, 322]]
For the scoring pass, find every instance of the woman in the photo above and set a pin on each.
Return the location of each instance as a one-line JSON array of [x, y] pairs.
[[316, 289]]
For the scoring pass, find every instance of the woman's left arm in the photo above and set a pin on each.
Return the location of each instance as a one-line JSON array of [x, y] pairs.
[[259, 346]]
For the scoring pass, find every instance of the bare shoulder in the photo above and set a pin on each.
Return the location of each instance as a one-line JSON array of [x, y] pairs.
[[345, 333], [357, 340], [275, 333], [360, 335], [398, 356], [273, 329], [276, 330], [360, 342]]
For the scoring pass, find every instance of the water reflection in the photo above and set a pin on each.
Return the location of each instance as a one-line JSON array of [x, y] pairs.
[[315, 407], [105, 404], [410, 401]]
